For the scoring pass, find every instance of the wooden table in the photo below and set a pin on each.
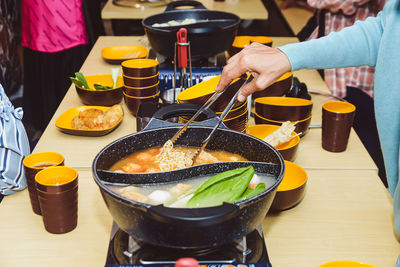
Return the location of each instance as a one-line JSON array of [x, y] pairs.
[[245, 9], [80, 151], [346, 213]]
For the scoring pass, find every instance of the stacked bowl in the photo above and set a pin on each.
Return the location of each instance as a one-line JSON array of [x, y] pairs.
[[141, 82], [279, 88], [237, 117], [277, 110], [241, 42]]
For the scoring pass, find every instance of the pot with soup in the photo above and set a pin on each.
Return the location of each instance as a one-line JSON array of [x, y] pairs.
[[155, 194]]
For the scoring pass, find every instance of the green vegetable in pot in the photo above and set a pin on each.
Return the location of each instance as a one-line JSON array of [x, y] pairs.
[[227, 186], [251, 192]]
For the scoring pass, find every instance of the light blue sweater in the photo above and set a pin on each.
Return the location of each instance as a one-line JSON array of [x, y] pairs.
[[373, 42]]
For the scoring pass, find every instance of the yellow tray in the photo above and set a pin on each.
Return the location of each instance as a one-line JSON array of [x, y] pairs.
[[119, 53], [63, 122]]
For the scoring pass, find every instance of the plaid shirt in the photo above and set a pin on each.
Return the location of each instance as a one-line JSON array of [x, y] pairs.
[[341, 14]]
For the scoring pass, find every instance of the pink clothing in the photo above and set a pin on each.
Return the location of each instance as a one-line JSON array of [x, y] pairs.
[[341, 14], [52, 25]]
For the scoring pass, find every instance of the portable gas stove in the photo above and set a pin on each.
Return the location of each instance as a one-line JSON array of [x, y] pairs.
[[249, 251]]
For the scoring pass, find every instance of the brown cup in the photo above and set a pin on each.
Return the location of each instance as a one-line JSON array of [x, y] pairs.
[[337, 119], [32, 165], [57, 189]]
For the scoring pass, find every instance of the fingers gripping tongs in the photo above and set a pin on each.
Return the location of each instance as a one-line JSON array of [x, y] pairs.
[[206, 105]]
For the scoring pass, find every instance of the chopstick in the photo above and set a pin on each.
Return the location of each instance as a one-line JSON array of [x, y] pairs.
[[206, 105], [221, 118]]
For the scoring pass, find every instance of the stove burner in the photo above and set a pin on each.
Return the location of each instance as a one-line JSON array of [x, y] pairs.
[[124, 249]]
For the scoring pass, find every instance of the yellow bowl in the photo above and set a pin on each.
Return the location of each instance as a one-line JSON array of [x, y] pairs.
[[106, 97], [283, 108], [201, 92], [133, 103], [140, 67], [279, 88], [288, 150], [241, 42], [292, 188], [301, 126]]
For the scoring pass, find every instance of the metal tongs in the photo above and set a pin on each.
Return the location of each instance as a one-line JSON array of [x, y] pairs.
[[206, 105]]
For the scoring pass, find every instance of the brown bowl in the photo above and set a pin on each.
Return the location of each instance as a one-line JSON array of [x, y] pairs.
[[301, 126], [142, 91], [140, 81], [201, 92], [133, 103], [241, 42], [288, 149], [234, 112], [238, 123], [283, 108], [292, 188], [140, 67], [95, 97], [278, 88]]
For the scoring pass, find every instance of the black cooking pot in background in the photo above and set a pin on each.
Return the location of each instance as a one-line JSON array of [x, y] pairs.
[[183, 227], [212, 35]]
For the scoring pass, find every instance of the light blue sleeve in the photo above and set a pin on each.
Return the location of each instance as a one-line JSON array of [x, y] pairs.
[[353, 46]]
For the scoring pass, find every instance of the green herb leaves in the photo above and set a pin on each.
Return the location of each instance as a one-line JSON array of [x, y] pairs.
[[229, 186], [98, 86], [81, 82]]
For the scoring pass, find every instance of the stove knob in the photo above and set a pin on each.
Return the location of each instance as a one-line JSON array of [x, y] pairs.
[[186, 262]]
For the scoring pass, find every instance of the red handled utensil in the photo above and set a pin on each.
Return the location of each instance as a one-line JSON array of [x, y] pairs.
[[183, 53], [181, 36]]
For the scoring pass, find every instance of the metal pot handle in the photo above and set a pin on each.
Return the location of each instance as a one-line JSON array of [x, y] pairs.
[[181, 109], [197, 217], [158, 119], [173, 5]]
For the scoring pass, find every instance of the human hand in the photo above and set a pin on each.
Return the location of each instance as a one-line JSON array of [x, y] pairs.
[[265, 64]]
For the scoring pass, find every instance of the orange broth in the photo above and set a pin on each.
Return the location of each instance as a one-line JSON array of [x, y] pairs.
[[144, 161]]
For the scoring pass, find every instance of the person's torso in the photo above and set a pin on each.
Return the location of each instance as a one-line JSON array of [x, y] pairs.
[[52, 26]]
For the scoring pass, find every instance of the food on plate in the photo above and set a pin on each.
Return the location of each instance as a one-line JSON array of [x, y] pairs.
[[169, 158], [204, 191], [96, 119], [175, 23], [282, 135]]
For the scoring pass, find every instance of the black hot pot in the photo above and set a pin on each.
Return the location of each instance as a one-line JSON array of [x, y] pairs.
[[213, 34], [183, 227]]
